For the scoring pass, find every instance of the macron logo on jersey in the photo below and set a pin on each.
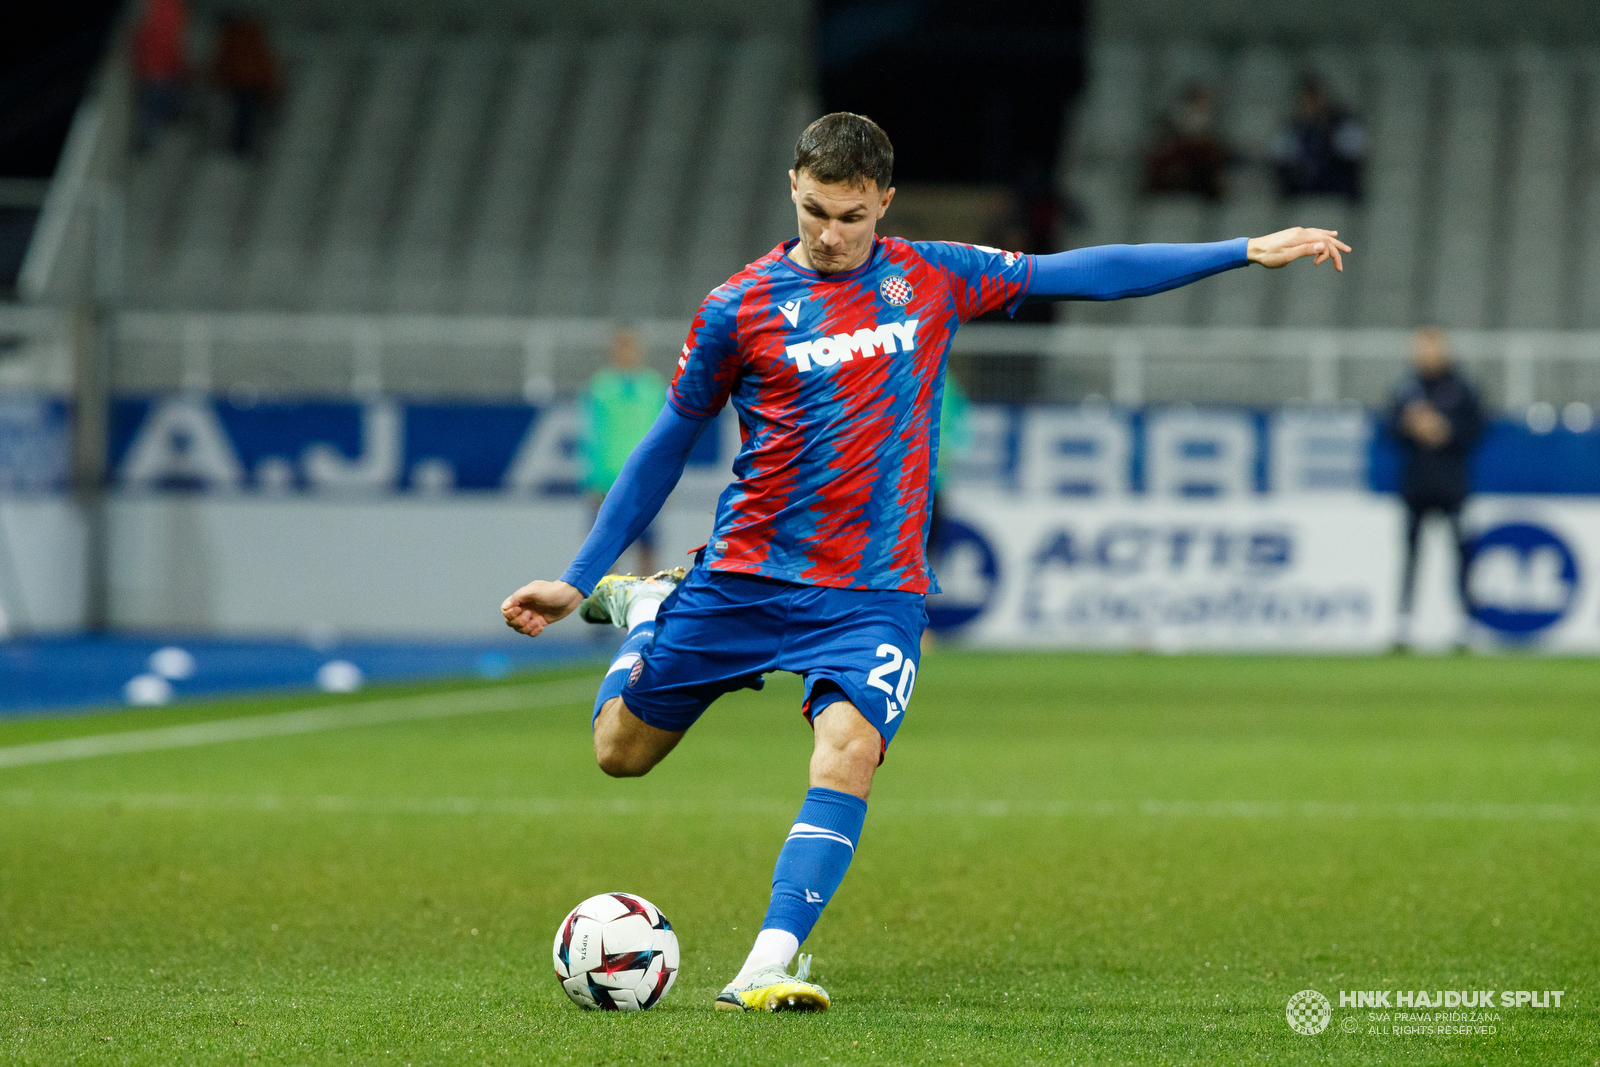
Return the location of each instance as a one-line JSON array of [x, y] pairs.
[[1010, 257], [891, 337]]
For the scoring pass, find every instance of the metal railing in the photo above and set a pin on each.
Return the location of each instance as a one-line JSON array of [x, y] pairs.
[[472, 356], [36, 349]]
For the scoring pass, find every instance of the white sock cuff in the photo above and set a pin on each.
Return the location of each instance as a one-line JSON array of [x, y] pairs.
[[773, 948], [643, 610]]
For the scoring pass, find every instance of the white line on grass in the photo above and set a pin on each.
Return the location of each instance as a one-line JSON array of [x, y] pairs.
[[305, 721], [892, 808]]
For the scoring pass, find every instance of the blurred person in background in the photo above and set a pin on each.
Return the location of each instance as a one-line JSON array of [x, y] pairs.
[[246, 71], [955, 440], [160, 68], [1322, 149], [1437, 418], [620, 404], [1188, 155]]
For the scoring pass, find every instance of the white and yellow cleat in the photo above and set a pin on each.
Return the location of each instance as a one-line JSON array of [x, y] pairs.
[[615, 593], [774, 989]]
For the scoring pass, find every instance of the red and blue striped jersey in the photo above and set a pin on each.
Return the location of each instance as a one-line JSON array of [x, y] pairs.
[[837, 380]]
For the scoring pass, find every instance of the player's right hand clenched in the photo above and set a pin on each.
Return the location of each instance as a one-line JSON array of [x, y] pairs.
[[538, 604]]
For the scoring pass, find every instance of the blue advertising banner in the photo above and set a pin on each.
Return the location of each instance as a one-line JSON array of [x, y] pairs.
[[395, 445], [35, 444], [384, 445]]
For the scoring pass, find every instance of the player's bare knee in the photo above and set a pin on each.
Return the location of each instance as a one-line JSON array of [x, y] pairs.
[[856, 755], [625, 747], [612, 751], [847, 750], [618, 762], [620, 759]]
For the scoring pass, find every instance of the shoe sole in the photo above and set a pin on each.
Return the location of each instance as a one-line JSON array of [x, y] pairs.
[[778, 998]]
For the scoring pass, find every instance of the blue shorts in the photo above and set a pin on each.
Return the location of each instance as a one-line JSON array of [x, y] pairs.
[[719, 632]]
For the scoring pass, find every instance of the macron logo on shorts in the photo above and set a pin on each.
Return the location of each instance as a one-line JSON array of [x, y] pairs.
[[891, 337]]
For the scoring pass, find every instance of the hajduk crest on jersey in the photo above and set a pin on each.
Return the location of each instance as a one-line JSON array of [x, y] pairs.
[[896, 291]]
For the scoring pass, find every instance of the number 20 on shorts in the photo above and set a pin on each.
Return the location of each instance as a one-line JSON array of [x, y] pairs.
[[879, 676]]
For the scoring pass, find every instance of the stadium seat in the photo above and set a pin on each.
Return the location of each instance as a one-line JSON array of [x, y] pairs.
[[1177, 64], [158, 189], [1588, 206], [1536, 268], [519, 155], [276, 247], [448, 154], [757, 72], [205, 244], [1467, 194], [566, 265], [653, 202], [1114, 115], [1253, 102], [368, 184], [1385, 282]]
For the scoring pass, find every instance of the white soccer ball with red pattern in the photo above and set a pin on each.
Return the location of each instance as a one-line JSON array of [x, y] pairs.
[[616, 952]]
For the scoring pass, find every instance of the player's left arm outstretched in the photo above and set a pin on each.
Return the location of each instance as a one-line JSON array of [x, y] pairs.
[[1113, 272]]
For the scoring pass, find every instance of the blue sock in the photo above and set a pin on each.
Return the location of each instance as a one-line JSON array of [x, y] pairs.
[[814, 859], [616, 679]]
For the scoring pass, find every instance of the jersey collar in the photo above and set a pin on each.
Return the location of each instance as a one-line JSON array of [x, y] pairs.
[[838, 276]]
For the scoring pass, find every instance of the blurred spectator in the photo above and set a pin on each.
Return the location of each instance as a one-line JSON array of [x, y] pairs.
[[619, 406], [1437, 418], [1322, 149], [955, 438], [160, 68], [247, 72], [1188, 155]]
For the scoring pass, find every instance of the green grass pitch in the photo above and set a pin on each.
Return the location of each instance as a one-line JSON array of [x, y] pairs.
[[1068, 859]]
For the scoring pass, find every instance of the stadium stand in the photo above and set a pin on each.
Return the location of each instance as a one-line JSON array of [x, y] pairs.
[[460, 206], [427, 173], [1468, 238]]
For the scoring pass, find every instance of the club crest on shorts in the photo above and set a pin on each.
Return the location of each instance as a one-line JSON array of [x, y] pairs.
[[896, 291], [633, 675]]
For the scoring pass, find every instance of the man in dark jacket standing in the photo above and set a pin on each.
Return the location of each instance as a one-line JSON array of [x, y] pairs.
[[1437, 419]]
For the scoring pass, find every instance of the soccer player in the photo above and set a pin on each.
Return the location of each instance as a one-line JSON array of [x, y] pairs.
[[832, 349], [620, 405]]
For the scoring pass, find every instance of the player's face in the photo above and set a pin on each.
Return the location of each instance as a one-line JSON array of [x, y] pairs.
[[836, 222]]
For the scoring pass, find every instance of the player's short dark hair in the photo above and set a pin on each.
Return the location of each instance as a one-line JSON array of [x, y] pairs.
[[845, 149]]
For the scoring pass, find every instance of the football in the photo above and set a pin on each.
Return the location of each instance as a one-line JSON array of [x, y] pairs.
[[616, 952]]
